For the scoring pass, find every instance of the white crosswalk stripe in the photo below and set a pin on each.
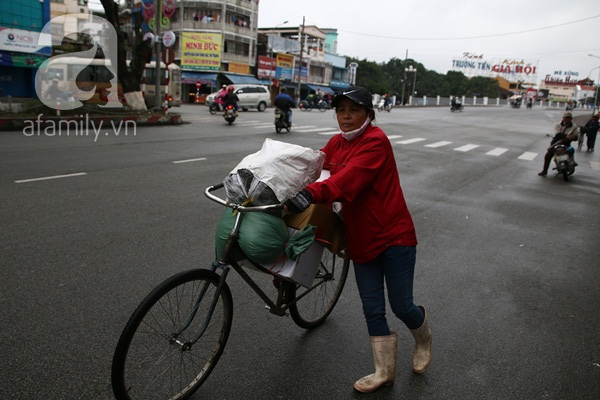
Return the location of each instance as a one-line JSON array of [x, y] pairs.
[[258, 126], [438, 144], [391, 137], [528, 156], [316, 130], [409, 141], [467, 147], [497, 151], [329, 133]]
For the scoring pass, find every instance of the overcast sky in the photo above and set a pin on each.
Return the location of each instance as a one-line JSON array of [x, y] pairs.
[[378, 30]]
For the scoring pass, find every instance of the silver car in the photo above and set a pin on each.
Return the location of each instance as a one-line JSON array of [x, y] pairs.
[[251, 96]]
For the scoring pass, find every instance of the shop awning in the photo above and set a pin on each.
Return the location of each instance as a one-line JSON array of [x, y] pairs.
[[324, 89], [206, 78], [243, 79], [339, 85], [288, 84]]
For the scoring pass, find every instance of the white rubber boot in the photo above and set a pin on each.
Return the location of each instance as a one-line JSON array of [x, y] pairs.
[[384, 356], [422, 352]]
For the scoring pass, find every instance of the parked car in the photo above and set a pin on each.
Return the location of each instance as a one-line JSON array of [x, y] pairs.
[[251, 96]]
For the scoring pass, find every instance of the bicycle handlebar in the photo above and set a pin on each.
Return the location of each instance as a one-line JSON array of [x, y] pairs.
[[236, 206]]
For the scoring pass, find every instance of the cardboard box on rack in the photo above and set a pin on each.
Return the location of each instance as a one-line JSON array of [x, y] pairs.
[[330, 228], [304, 269]]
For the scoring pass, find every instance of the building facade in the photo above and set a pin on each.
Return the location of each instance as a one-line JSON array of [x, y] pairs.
[[216, 43], [21, 23]]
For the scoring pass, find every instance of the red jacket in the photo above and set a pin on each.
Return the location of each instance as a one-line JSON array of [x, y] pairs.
[[364, 178]]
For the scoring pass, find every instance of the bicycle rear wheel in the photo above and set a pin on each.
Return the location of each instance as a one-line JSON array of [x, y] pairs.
[[155, 358], [312, 310]]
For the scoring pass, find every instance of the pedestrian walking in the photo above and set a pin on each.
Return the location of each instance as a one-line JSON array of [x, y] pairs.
[[380, 232]]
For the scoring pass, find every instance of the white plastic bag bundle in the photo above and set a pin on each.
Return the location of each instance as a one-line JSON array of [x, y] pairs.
[[285, 168]]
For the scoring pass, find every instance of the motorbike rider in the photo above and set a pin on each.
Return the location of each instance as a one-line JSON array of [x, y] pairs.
[[231, 98], [219, 97], [530, 103], [456, 104], [285, 103], [387, 101], [565, 132]]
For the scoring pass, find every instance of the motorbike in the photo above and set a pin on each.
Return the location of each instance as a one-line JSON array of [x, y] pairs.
[[215, 108], [381, 106], [456, 107], [281, 121], [529, 105], [515, 104], [229, 114], [565, 165], [304, 105]]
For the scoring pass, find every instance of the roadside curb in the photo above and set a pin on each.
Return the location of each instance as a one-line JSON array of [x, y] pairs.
[[19, 123]]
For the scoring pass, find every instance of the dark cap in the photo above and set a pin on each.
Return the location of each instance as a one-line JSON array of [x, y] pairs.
[[357, 94]]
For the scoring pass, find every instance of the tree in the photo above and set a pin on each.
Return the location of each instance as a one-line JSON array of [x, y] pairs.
[[129, 76]]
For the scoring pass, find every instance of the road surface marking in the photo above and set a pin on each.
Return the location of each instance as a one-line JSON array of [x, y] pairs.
[[394, 137], [51, 177], [190, 160], [438, 144], [409, 141], [316, 130], [258, 126], [330, 133], [595, 165], [528, 156], [467, 147], [497, 151]]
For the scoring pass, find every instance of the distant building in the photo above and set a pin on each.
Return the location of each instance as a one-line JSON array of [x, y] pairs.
[[566, 89], [21, 22], [322, 69], [216, 43]]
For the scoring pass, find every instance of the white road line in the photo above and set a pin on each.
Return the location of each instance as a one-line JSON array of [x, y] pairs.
[[330, 133], [51, 177], [467, 147], [190, 160], [497, 151], [438, 144], [394, 137], [317, 130], [595, 165], [257, 126], [528, 156], [409, 141]]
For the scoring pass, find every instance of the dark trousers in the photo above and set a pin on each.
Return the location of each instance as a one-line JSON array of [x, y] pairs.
[[591, 139], [396, 267]]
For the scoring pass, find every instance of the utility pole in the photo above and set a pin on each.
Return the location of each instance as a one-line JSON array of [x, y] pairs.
[[300, 66], [404, 80], [157, 12]]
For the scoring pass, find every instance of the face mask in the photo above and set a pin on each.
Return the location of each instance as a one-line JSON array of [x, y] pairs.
[[349, 136]]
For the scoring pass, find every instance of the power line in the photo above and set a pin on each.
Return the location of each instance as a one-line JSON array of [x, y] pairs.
[[472, 37]]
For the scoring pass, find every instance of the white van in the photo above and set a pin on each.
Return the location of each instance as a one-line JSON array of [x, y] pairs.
[[251, 96]]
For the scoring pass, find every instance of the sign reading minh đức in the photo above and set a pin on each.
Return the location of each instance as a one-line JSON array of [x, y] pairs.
[[201, 51], [512, 69]]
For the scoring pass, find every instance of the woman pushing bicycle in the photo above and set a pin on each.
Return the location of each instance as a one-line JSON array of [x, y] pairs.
[[381, 237]]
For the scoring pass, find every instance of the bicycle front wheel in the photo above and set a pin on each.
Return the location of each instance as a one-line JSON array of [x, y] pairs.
[[158, 356], [312, 310]]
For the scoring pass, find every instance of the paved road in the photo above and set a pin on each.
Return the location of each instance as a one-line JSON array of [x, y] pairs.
[[507, 261]]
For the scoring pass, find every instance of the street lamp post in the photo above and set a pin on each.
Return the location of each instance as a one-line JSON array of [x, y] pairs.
[[597, 86], [412, 69]]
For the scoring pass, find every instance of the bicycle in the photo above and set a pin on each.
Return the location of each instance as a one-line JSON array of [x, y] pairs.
[[175, 337]]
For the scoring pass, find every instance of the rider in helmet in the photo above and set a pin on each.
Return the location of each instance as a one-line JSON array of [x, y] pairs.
[[220, 95], [231, 98], [285, 103]]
